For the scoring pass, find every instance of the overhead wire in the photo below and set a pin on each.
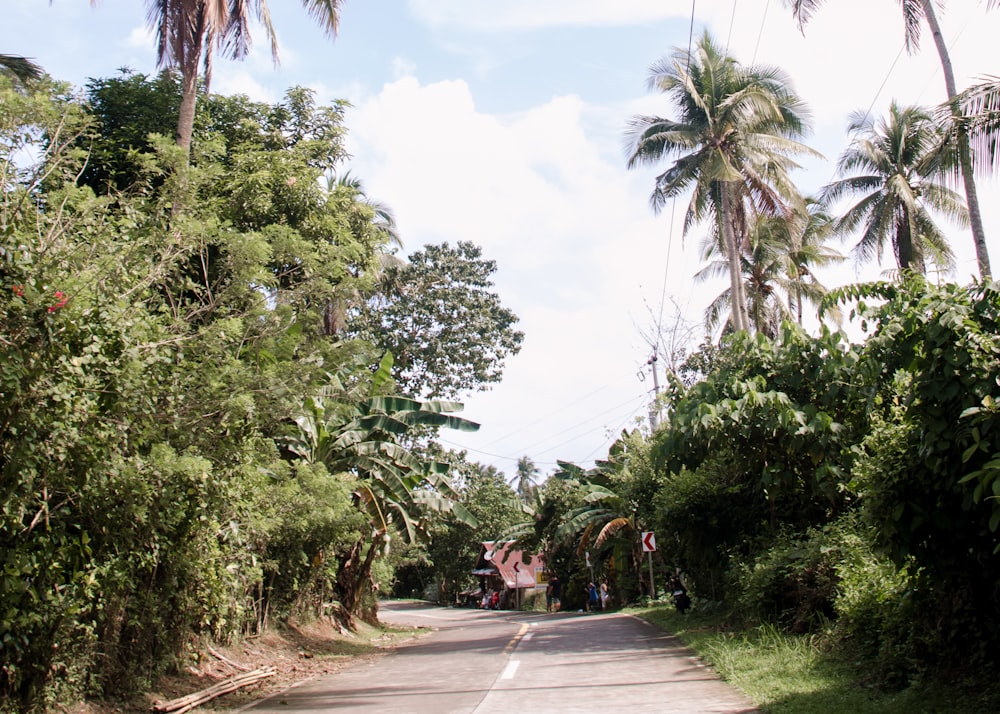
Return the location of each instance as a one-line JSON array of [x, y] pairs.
[[760, 32], [581, 426], [513, 459], [673, 215], [550, 414], [596, 417]]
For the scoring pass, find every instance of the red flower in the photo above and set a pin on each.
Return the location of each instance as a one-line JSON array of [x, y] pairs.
[[61, 301], [18, 290]]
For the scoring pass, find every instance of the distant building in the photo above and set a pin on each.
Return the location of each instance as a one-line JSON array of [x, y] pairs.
[[508, 572]]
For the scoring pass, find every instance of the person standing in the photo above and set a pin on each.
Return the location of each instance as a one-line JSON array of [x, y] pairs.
[[605, 596], [556, 586], [593, 601]]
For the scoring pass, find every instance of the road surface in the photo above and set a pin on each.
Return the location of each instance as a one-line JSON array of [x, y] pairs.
[[493, 662]]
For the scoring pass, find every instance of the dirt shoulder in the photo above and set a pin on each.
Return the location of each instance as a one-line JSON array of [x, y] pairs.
[[298, 652]]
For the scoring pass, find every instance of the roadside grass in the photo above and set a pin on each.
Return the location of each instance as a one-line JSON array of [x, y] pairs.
[[792, 674]]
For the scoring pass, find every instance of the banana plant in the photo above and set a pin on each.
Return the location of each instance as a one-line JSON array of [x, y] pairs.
[[362, 434]]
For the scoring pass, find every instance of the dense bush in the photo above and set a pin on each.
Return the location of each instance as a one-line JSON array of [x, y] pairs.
[[163, 330]]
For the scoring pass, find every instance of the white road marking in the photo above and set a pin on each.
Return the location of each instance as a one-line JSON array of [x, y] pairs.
[[512, 666]]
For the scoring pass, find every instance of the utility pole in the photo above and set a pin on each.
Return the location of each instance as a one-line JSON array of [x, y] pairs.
[[654, 412]]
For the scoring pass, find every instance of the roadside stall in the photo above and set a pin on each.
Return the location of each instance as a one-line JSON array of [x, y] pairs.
[[507, 576]]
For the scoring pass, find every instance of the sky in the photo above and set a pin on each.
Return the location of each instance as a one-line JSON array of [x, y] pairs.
[[503, 123]]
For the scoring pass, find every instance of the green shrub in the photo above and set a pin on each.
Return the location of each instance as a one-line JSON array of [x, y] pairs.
[[794, 582]]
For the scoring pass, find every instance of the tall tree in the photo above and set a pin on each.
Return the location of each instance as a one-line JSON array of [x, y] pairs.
[[188, 31], [19, 67], [892, 166], [525, 478], [914, 13], [763, 270], [442, 322], [808, 250], [733, 141]]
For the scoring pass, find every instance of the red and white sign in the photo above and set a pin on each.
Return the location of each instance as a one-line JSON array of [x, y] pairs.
[[517, 568], [648, 542]]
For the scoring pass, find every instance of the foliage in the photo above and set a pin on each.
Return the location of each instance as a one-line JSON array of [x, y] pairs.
[[159, 332], [794, 581], [360, 430], [784, 673], [447, 330], [455, 544], [895, 168], [927, 477], [779, 410]]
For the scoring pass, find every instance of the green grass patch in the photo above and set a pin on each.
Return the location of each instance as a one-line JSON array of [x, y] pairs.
[[792, 674]]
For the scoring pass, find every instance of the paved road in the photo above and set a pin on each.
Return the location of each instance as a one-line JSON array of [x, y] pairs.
[[482, 662]]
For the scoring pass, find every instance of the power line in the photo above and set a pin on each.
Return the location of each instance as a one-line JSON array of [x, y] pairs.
[[576, 427], [732, 23], [616, 432], [760, 32], [596, 417], [552, 413]]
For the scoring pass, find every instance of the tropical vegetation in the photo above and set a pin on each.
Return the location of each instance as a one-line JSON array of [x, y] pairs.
[[190, 446], [222, 389]]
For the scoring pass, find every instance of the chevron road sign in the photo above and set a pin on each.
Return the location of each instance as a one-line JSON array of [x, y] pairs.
[[648, 542]]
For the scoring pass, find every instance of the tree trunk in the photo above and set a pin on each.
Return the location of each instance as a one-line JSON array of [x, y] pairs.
[[354, 575], [964, 151], [189, 98], [738, 303]]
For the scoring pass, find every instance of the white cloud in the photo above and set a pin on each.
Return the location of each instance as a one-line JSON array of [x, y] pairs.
[[402, 67], [236, 79], [571, 232], [140, 37]]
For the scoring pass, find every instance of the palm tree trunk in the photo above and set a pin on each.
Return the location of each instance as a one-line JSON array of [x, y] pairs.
[[964, 152], [738, 302], [189, 98]]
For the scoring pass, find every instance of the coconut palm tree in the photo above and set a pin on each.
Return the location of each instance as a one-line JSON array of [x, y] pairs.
[[915, 12], [808, 250], [21, 68], [383, 219], [371, 221], [188, 31], [525, 478], [764, 274], [892, 166], [733, 141], [980, 109]]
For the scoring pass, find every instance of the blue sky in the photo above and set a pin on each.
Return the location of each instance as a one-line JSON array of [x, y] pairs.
[[502, 123]]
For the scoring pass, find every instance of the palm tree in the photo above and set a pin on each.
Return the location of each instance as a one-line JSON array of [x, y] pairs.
[[808, 251], [366, 217], [894, 164], [21, 68], [383, 220], [914, 12], [189, 30], [764, 274], [525, 478], [980, 108], [733, 143]]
